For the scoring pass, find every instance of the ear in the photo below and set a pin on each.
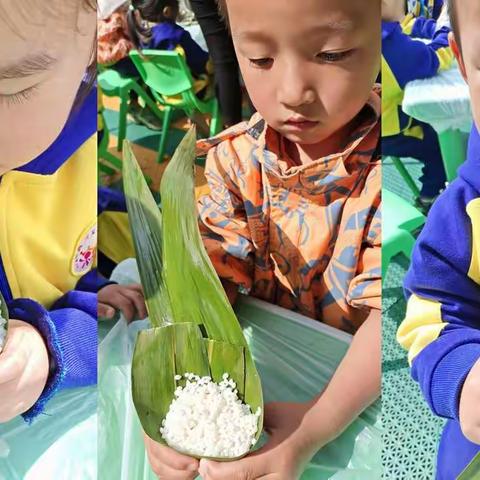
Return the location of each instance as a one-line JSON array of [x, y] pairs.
[[167, 12], [458, 54]]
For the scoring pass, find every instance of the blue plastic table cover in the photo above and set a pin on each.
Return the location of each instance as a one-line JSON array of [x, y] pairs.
[[442, 101], [61, 444], [295, 357]]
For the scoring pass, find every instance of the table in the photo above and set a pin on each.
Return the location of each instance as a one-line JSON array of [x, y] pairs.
[[60, 444], [295, 357], [444, 102]]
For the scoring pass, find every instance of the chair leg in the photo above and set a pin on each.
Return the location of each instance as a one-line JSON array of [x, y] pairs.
[[112, 159], [408, 242], [453, 145], [402, 242], [385, 263], [163, 136], [406, 176], [215, 123], [122, 123]]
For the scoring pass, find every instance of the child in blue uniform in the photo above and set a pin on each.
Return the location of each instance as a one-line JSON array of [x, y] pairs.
[[405, 59], [425, 8], [442, 326], [165, 34], [48, 205]]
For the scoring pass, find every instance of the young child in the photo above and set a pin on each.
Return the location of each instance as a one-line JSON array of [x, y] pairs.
[[404, 58], [48, 204], [442, 326], [425, 8], [113, 47], [165, 34], [293, 214]]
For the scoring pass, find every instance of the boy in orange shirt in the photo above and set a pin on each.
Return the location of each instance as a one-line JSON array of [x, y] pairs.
[[293, 213]]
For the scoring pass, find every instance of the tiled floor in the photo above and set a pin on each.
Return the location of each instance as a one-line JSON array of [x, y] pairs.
[[411, 431]]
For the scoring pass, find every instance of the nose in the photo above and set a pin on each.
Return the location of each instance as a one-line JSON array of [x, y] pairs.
[[295, 87]]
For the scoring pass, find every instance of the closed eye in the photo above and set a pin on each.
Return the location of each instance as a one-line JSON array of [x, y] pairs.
[[261, 62], [333, 57], [18, 98]]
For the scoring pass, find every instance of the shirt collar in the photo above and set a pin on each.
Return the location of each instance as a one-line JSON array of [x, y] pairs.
[[266, 137]]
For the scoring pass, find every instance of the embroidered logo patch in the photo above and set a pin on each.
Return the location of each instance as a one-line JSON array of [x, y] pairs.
[[85, 252]]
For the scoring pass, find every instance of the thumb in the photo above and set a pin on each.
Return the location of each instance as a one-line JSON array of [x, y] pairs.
[[105, 311], [249, 468]]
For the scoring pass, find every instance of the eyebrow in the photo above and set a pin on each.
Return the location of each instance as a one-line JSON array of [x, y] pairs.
[[27, 66], [329, 26]]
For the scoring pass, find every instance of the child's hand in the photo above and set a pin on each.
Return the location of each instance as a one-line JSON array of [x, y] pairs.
[[127, 298], [24, 368], [284, 457], [169, 464], [469, 402]]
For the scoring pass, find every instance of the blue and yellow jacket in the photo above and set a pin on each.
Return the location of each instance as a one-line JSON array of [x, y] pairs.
[[405, 59], [48, 250], [441, 329], [425, 8], [170, 36], [115, 241]]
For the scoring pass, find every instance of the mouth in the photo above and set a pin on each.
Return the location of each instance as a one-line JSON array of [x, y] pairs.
[[301, 123]]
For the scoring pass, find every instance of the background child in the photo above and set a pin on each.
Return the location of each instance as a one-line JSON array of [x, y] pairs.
[[442, 325], [293, 214], [113, 47], [404, 58], [48, 201], [153, 25]]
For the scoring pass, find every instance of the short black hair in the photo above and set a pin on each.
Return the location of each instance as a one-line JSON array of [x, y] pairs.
[[146, 10], [453, 15]]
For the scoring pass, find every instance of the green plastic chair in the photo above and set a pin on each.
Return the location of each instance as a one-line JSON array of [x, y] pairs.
[[453, 145], [115, 85], [400, 220], [104, 154], [397, 162], [168, 76]]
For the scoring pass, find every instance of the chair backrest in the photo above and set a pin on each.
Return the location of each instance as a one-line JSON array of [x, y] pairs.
[[165, 72]]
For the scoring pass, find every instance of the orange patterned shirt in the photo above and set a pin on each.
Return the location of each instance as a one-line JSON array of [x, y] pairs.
[[304, 237]]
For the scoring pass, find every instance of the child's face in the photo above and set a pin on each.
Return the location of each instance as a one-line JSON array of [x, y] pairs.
[[393, 10], [309, 67], [44, 52], [468, 16]]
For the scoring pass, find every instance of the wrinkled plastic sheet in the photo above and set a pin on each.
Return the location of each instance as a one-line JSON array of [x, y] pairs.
[[442, 101], [295, 357], [60, 444]]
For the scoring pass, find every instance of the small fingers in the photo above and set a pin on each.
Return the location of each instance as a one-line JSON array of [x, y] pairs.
[[105, 311], [167, 456], [124, 304], [138, 300], [136, 286]]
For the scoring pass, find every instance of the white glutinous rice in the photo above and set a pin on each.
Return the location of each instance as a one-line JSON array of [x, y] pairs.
[[207, 419], [3, 330]]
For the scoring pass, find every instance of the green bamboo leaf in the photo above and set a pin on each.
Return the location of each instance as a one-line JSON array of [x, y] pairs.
[[3, 322], [188, 272], [472, 472], [158, 352], [195, 291], [184, 297], [146, 226], [225, 357]]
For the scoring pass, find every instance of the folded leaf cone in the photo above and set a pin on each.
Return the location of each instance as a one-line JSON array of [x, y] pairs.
[[195, 329]]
